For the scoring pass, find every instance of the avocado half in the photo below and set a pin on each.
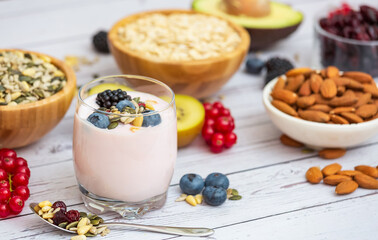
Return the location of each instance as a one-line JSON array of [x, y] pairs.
[[280, 23]]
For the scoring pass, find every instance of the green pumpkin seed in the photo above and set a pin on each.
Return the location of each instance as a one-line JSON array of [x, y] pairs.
[[25, 78], [115, 119], [235, 197], [20, 99], [234, 192], [27, 55], [136, 99], [113, 125], [307, 150], [92, 216], [88, 234], [95, 222], [72, 225], [2, 88], [63, 224], [83, 214]]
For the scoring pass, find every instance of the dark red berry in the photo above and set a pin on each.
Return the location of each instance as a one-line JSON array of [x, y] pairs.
[[22, 191], [4, 184], [23, 169], [4, 210], [9, 164], [20, 179], [60, 217], [3, 174], [61, 205], [6, 152], [21, 162], [218, 105], [225, 112], [5, 194], [207, 133], [209, 122], [223, 124], [217, 140], [16, 204], [73, 215], [213, 113], [229, 139], [207, 106]]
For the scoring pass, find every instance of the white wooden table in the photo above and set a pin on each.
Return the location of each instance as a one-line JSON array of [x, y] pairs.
[[277, 201]]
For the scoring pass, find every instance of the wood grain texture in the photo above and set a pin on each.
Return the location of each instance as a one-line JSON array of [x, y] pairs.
[[198, 78], [26, 123]]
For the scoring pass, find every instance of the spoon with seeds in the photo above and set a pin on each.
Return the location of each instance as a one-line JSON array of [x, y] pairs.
[[182, 231]]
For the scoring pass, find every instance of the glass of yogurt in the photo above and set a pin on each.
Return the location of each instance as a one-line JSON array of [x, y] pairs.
[[124, 144]]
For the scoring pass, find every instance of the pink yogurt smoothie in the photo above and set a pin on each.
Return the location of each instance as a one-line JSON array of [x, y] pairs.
[[123, 165]]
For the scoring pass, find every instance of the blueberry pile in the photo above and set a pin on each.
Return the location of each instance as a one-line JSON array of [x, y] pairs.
[[214, 187], [110, 98]]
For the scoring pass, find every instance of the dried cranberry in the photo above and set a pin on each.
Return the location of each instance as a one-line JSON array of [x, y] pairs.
[[60, 217], [73, 215], [368, 14], [61, 205]]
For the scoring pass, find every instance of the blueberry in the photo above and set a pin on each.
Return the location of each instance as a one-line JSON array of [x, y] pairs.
[[217, 180], [151, 120], [124, 103], [191, 183], [254, 65], [99, 120], [214, 196]]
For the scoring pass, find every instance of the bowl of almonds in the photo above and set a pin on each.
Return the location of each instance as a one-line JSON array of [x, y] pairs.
[[324, 108], [194, 53], [35, 93]]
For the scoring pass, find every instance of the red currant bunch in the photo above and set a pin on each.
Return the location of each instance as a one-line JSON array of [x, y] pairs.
[[218, 128], [14, 180]]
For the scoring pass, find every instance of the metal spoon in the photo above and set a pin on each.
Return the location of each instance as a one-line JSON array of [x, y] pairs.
[[182, 231]]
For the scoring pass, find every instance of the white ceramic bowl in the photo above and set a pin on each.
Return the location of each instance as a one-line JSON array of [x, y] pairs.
[[318, 135]]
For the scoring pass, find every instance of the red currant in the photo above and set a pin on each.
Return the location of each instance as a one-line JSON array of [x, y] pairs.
[[61, 205], [217, 140], [209, 122], [215, 149], [1, 162], [3, 174], [207, 133], [9, 164], [4, 184], [230, 139], [225, 112], [6, 152], [232, 126], [223, 124], [4, 210], [212, 113], [218, 105], [22, 191], [5, 194], [207, 106], [21, 162], [23, 169], [73, 215], [20, 179], [16, 204]]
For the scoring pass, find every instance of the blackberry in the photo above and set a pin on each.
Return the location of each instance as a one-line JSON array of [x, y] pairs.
[[110, 98], [276, 67], [100, 42]]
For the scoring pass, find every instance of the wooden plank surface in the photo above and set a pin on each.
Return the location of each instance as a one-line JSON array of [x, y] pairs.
[[277, 202]]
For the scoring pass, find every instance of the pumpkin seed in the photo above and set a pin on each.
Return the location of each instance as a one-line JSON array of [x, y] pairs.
[[113, 125], [95, 222], [83, 214], [92, 216], [115, 119], [234, 192], [88, 234], [2, 88], [307, 150], [136, 99], [63, 224], [20, 99], [72, 225], [25, 78], [235, 197]]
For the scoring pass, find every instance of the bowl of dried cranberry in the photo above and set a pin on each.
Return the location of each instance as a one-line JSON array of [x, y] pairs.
[[347, 38]]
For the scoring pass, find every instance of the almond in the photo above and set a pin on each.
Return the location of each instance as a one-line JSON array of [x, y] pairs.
[[315, 116], [346, 187], [331, 169], [314, 175], [285, 95], [342, 109], [332, 153], [306, 101], [368, 170], [341, 81], [367, 110], [359, 76], [366, 181], [355, 85], [328, 88], [363, 99], [305, 89], [340, 90], [284, 107], [321, 100], [320, 107], [333, 180], [286, 140], [345, 100], [293, 83], [298, 71], [349, 173], [338, 120], [332, 71], [315, 82], [280, 84], [371, 89], [351, 117]]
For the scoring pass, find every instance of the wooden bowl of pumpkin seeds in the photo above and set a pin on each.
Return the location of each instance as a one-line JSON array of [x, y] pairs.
[[36, 90]]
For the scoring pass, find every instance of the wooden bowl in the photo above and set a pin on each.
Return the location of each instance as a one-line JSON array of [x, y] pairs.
[[198, 78], [26, 123]]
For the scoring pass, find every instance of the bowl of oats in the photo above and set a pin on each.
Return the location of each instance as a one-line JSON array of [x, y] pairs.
[[36, 90], [193, 53]]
